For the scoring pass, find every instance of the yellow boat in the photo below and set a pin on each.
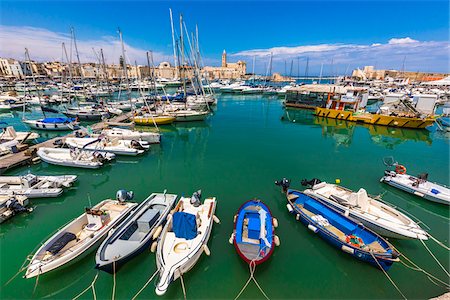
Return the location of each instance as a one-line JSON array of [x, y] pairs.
[[375, 119], [150, 121]]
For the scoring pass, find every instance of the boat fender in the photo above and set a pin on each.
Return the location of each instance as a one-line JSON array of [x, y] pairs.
[[157, 232], [231, 239], [153, 246], [276, 240], [347, 212], [169, 217], [234, 218], [289, 207], [216, 219], [348, 249], [313, 228], [297, 217], [206, 249], [275, 222]]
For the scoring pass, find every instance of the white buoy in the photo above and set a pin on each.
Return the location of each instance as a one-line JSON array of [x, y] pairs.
[[289, 207], [231, 239], [276, 240], [297, 217], [275, 222], [234, 218], [216, 219], [206, 249], [157, 232], [153, 247]]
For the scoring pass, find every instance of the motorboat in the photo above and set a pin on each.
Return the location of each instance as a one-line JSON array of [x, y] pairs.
[[374, 214], [10, 134], [77, 238], [33, 186], [74, 157], [127, 134], [11, 205], [416, 185], [105, 144], [136, 233], [340, 231], [254, 232], [183, 239], [54, 124]]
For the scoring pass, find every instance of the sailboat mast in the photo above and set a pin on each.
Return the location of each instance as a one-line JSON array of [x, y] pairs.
[[70, 68], [173, 40], [78, 60], [27, 57], [182, 55], [124, 66]]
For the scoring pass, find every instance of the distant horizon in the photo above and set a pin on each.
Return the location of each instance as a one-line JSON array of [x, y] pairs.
[[296, 33]]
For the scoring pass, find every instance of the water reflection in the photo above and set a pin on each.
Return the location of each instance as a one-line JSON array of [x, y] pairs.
[[342, 131]]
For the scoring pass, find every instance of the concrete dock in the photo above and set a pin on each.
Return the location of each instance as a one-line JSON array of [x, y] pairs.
[[27, 157]]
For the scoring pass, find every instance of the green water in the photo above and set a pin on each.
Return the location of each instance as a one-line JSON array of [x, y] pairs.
[[236, 155]]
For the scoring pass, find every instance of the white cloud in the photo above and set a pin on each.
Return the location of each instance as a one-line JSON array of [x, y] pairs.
[[431, 56], [406, 40], [45, 45]]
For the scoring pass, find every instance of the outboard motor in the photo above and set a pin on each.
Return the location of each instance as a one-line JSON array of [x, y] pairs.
[[195, 199], [136, 145], [124, 195], [58, 143], [15, 206], [284, 183], [311, 182], [99, 157]]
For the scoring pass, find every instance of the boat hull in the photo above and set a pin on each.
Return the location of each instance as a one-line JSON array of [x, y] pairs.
[[51, 126], [151, 121]]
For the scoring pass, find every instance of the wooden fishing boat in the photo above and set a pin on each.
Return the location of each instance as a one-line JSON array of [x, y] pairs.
[[148, 120], [183, 239], [104, 144], [376, 215], [74, 157], [33, 186], [341, 231], [419, 186], [254, 232], [135, 233], [78, 237]]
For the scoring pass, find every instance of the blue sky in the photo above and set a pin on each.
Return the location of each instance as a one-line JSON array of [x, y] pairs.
[[350, 34]]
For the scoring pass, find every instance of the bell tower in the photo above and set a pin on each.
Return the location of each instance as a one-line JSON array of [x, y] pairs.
[[224, 59]]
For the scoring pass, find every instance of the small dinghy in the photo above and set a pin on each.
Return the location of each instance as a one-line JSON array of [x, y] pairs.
[[10, 134], [74, 157], [53, 124], [374, 214], [127, 134], [33, 186], [79, 236], [341, 231], [104, 144], [183, 239], [12, 205], [419, 186], [254, 232], [135, 233]]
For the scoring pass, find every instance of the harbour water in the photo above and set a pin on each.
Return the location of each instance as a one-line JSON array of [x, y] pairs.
[[236, 155]]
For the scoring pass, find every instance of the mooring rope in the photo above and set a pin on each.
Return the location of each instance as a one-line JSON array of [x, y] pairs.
[[387, 275], [114, 281], [434, 257], [252, 267], [439, 242], [21, 269], [91, 286], [182, 286], [145, 285], [37, 280]]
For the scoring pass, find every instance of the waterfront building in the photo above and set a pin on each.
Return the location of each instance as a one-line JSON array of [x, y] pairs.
[[227, 70], [370, 73]]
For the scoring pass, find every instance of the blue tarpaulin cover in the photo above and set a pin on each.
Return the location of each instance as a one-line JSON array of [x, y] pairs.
[[184, 225], [57, 120]]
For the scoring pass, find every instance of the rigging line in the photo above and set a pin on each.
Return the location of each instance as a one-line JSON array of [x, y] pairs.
[[145, 285], [434, 257], [387, 275]]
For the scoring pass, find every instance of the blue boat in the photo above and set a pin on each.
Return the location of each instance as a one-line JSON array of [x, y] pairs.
[[254, 232], [341, 231]]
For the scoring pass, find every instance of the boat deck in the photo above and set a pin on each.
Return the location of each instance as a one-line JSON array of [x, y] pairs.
[[13, 160]]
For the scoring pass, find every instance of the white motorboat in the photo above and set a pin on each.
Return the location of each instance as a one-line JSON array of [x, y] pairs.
[[136, 233], [53, 124], [86, 113], [12, 205], [105, 144], [75, 239], [127, 134], [10, 134], [189, 115], [74, 157], [33, 186], [183, 239], [7, 147], [374, 214]]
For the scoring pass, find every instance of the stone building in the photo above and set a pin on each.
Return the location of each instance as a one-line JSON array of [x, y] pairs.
[[227, 70], [370, 73], [11, 68]]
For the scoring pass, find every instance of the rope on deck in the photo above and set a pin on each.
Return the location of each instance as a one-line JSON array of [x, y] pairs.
[[252, 267], [145, 285], [434, 257], [387, 275], [91, 286]]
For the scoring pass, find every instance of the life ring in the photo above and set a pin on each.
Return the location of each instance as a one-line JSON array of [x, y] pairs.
[[354, 240], [399, 169]]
